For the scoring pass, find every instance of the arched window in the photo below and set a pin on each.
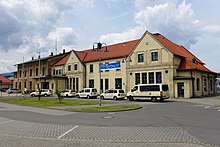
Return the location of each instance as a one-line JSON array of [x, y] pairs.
[[198, 84]]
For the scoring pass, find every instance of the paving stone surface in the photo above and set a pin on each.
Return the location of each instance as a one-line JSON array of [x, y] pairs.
[[75, 135]]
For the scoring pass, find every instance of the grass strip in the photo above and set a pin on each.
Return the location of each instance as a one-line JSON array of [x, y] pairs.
[[107, 108], [48, 102]]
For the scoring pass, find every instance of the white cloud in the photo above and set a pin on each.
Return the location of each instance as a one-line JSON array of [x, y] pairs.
[[215, 29], [131, 34], [64, 36], [26, 25], [177, 22]]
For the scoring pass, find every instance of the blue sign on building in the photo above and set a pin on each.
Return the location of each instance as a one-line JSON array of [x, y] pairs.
[[110, 65]]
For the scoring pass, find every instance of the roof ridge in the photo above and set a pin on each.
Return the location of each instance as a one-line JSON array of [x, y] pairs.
[[68, 54]]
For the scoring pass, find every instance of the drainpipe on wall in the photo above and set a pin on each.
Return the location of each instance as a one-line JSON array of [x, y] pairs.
[[193, 86]]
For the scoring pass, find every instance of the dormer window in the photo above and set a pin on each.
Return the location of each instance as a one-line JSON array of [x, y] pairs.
[[194, 61]]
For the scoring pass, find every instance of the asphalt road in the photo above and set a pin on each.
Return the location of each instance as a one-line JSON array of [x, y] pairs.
[[168, 122]]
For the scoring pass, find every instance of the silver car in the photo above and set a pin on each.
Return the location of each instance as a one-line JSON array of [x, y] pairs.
[[43, 92], [68, 93], [113, 94]]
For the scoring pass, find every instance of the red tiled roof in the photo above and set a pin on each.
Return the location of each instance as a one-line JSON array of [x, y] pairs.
[[114, 51], [81, 55], [5, 80], [186, 63], [63, 60], [174, 48], [124, 49]]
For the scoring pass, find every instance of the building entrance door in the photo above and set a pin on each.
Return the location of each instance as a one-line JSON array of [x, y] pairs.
[[45, 85], [180, 87]]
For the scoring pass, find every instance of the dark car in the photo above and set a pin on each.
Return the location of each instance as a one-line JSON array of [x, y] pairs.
[[3, 89]]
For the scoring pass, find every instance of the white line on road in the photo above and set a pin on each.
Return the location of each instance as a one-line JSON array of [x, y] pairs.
[[199, 105], [207, 107], [68, 131], [6, 122]]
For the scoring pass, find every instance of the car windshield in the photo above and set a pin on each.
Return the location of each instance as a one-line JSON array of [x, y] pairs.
[[121, 91], [165, 87], [94, 90], [134, 88]]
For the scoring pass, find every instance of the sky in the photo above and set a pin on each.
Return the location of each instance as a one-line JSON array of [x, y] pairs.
[[30, 27]]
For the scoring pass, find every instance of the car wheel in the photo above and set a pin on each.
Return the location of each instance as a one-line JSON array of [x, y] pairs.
[[33, 95], [154, 99], [102, 97], [77, 96], [130, 98], [114, 98], [88, 97], [67, 95], [45, 95]]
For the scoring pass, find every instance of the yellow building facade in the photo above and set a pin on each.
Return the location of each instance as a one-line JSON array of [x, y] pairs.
[[149, 60]]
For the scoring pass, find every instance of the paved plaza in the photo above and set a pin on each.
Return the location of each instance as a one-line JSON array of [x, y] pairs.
[[24, 133]]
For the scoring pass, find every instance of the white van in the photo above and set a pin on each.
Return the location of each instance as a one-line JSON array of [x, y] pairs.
[[152, 91]]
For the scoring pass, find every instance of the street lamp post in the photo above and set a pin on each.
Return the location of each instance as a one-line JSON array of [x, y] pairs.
[[39, 90], [99, 49]]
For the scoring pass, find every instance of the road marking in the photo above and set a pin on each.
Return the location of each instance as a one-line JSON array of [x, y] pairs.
[[199, 105], [68, 131], [6, 122], [207, 107]]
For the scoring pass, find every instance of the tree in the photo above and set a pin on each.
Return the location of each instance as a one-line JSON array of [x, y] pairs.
[[60, 97]]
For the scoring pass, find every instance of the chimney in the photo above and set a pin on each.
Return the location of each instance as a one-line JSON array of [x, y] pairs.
[[63, 51], [32, 58], [51, 54]]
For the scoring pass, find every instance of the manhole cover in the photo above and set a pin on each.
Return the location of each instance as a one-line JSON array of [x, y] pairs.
[[111, 113], [108, 117]]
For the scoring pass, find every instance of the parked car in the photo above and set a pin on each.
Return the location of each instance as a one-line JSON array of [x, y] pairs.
[[87, 93], [12, 90], [43, 92], [146, 91], [68, 93], [113, 94]]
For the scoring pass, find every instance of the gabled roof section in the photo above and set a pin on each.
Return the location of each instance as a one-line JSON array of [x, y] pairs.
[[189, 61], [175, 48], [115, 51], [50, 58], [81, 55], [5, 80], [63, 60], [188, 65]]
